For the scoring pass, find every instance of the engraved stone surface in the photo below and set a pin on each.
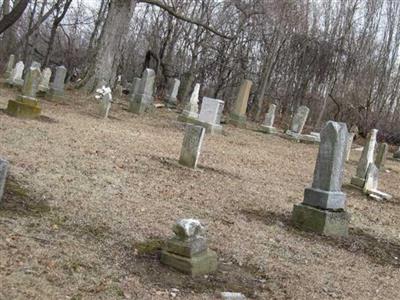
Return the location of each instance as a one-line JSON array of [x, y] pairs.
[[191, 109], [211, 111], [142, 100], [45, 80], [57, 87], [268, 125], [173, 89], [349, 145], [10, 66], [238, 114], [16, 74], [299, 120], [191, 146], [381, 156], [31, 83]]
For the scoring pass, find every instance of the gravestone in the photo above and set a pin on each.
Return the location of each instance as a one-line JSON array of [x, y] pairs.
[[349, 145], [191, 110], [381, 156], [10, 66], [367, 157], [36, 64], [57, 87], [396, 155], [268, 126], [45, 80], [104, 96], [4, 165], [15, 78], [142, 100], [192, 141], [188, 250], [298, 122], [238, 116], [210, 115], [371, 184], [172, 92], [323, 206], [27, 105]]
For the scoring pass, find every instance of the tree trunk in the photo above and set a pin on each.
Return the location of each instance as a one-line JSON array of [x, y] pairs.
[[109, 52], [9, 19]]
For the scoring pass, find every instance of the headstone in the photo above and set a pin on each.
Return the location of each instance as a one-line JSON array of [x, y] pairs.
[[10, 66], [104, 96], [210, 115], [16, 74], [27, 105], [238, 115], [191, 146], [371, 184], [173, 88], [3, 175], [349, 145], [188, 250], [45, 80], [268, 126], [135, 85], [143, 99], [322, 210], [381, 156], [396, 155], [298, 122], [191, 109], [57, 87], [367, 157]]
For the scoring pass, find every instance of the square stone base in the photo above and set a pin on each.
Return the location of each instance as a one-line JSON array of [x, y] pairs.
[[237, 120], [26, 109], [188, 248], [357, 182], [321, 221], [309, 139], [200, 264], [324, 199], [268, 129]]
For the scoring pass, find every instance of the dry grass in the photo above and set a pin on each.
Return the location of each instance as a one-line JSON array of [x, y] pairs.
[[89, 201]]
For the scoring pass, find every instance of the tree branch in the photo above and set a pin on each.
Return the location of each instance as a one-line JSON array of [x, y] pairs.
[[174, 13], [9, 19]]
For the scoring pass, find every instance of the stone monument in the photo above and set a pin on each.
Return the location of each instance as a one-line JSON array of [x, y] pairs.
[[10, 66], [27, 105], [191, 110], [15, 78], [190, 152], [173, 89], [142, 100], [268, 126], [367, 157], [57, 87], [298, 122], [381, 156], [210, 115], [238, 116], [104, 96], [349, 145], [45, 81], [188, 251], [323, 207], [371, 184], [4, 165]]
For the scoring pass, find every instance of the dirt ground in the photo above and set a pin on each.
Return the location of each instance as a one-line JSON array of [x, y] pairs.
[[89, 201]]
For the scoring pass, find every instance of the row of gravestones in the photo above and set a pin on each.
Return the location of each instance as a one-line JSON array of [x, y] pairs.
[[36, 83]]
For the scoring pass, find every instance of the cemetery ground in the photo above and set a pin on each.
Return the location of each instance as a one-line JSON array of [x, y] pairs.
[[88, 203]]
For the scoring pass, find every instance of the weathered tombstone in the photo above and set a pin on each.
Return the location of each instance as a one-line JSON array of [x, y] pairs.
[[210, 115], [45, 80], [191, 110], [268, 126], [396, 155], [381, 156], [371, 184], [191, 146], [104, 96], [298, 122], [143, 99], [27, 105], [349, 145], [57, 87], [323, 207], [15, 78], [367, 157], [3, 175], [238, 116], [172, 92], [36, 64], [135, 86], [10, 66], [188, 250]]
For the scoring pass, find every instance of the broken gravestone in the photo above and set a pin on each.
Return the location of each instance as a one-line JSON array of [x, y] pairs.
[[192, 141], [268, 126]]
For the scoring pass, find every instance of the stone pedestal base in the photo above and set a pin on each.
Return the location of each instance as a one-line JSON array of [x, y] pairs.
[[324, 199], [23, 108], [309, 139], [200, 264], [357, 182], [268, 129], [292, 135], [325, 222], [237, 120]]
